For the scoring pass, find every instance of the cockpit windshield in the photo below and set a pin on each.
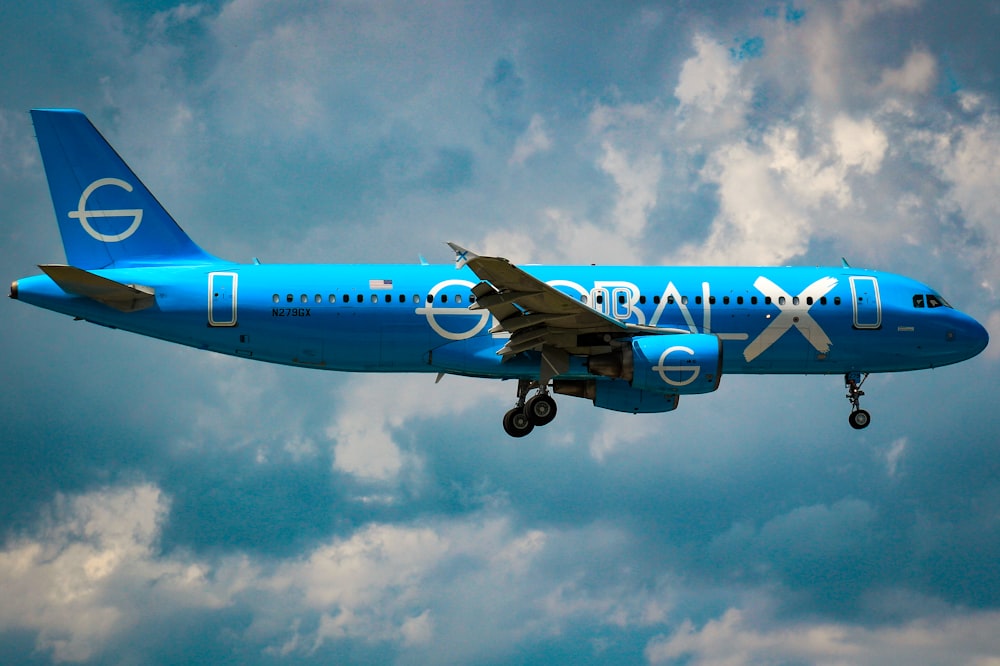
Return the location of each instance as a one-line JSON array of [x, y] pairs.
[[935, 301], [930, 301]]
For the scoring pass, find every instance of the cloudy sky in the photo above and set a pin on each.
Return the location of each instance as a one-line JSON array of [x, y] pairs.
[[162, 505]]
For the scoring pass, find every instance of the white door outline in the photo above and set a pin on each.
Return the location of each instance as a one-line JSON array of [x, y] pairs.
[[865, 295], [222, 299]]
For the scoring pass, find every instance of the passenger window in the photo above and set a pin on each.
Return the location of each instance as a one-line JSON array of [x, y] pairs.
[[795, 300], [388, 298], [781, 300], [918, 301], [670, 300], [767, 300], [621, 299], [318, 298], [739, 300], [347, 299], [444, 298], [416, 299], [684, 300], [711, 300], [402, 298], [374, 298], [809, 300], [642, 300], [276, 298], [583, 298], [697, 300], [753, 300], [656, 300], [430, 298], [289, 298], [836, 300], [822, 300], [458, 299], [361, 298], [599, 299], [725, 300]]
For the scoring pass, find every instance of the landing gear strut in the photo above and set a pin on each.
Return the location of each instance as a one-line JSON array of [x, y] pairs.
[[539, 410], [859, 418]]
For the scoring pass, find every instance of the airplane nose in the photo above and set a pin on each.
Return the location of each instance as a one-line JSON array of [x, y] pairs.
[[968, 334]]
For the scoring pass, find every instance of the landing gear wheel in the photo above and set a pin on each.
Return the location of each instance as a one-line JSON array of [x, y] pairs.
[[541, 409], [516, 423], [860, 419]]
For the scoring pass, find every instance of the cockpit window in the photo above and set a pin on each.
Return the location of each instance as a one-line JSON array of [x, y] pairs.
[[935, 301], [918, 300]]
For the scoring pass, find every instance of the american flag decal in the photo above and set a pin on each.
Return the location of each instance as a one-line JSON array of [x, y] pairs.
[[380, 284]]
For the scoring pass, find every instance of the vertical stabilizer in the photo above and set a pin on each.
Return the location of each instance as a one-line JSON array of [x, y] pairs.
[[106, 216]]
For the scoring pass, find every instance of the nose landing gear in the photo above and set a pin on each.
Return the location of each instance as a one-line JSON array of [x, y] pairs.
[[859, 418], [539, 410]]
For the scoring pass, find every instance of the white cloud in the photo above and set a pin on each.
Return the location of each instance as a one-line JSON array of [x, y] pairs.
[[765, 196], [894, 455], [742, 637], [859, 143], [534, 140], [637, 181], [370, 407], [968, 158], [993, 326], [916, 75], [92, 572], [708, 81], [76, 581], [418, 630]]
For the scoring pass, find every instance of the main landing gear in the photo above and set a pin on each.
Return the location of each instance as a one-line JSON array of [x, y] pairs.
[[538, 410], [859, 418]]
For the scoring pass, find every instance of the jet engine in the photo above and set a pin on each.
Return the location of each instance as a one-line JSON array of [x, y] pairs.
[[669, 364]]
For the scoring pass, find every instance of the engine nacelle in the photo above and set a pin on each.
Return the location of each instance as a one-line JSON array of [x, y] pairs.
[[617, 395], [669, 364]]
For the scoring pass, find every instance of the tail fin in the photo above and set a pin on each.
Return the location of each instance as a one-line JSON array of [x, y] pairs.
[[106, 216]]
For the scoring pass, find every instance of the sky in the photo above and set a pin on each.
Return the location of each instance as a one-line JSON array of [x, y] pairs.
[[160, 504]]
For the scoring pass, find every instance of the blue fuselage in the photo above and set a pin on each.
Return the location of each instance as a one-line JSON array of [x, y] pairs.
[[416, 318]]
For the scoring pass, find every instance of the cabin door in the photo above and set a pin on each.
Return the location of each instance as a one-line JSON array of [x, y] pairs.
[[222, 299], [867, 305]]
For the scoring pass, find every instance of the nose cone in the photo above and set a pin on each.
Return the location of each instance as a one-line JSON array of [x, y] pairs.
[[967, 336]]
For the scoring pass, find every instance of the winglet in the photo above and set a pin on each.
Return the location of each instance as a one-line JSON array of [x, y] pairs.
[[462, 256]]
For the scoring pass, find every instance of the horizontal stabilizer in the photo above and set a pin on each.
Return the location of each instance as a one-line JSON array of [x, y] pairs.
[[121, 297]]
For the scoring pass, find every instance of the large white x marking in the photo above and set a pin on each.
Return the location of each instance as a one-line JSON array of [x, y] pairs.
[[792, 316]]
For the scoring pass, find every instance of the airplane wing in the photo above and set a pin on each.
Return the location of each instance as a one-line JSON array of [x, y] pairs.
[[540, 317]]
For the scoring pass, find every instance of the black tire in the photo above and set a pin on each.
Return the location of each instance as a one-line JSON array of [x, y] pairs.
[[516, 423], [541, 409], [860, 419]]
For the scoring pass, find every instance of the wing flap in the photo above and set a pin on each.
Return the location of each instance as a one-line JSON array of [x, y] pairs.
[[121, 297]]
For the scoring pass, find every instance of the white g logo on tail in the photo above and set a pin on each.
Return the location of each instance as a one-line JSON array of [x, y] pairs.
[[83, 214]]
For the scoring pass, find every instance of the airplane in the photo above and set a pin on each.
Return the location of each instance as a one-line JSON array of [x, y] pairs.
[[630, 339]]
